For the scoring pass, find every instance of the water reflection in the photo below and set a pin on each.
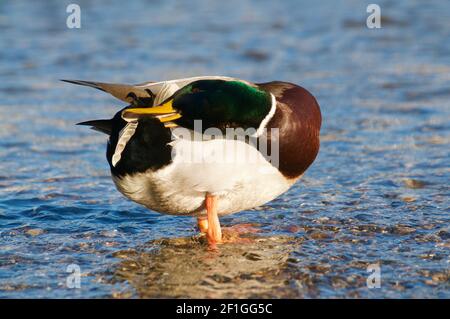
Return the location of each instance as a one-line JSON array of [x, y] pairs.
[[184, 267]]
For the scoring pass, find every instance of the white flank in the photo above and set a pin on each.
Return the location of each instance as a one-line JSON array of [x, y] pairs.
[[180, 187]]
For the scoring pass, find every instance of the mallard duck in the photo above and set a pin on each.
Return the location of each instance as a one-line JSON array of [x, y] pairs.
[[170, 151]]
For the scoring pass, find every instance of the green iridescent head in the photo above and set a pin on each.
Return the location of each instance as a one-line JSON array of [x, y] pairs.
[[220, 103]]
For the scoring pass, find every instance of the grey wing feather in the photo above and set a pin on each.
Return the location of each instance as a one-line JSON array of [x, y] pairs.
[[137, 96]]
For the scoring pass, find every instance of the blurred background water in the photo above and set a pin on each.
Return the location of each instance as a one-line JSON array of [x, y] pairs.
[[378, 192]]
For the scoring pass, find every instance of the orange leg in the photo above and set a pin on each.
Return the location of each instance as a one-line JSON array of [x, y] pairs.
[[213, 232]]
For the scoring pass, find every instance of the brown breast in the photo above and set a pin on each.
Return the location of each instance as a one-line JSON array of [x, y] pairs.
[[298, 119]]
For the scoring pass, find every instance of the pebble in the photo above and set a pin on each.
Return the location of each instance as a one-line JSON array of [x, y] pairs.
[[428, 238], [293, 228], [444, 234], [409, 199], [437, 278], [121, 295], [440, 277], [403, 230], [34, 231], [320, 268], [414, 183], [317, 235]]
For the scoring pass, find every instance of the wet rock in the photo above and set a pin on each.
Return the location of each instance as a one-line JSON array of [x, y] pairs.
[[330, 228], [84, 246], [359, 264], [438, 278], [428, 238], [252, 256], [110, 244], [441, 277], [444, 234], [409, 199], [221, 278], [14, 287], [429, 256], [293, 229], [402, 230], [414, 183], [318, 235], [319, 268], [339, 283], [368, 228], [428, 226], [445, 245], [121, 295], [34, 231], [123, 254], [437, 140]]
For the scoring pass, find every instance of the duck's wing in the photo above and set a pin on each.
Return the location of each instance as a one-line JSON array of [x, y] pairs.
[[144, 94], [185, 81], [136, 95]]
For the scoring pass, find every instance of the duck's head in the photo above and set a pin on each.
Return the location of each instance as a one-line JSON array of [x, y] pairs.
[[217, 103]]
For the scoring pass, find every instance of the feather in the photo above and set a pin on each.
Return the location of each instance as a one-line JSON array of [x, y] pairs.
[[137, 96], [103, 126]]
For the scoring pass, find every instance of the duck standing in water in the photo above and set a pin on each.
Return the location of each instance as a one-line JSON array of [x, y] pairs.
[[168, 172]]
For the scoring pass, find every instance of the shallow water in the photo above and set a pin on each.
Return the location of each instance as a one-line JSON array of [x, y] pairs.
[[377, 193]]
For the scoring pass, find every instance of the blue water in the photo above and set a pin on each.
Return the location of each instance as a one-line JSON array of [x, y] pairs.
[[378, 192]]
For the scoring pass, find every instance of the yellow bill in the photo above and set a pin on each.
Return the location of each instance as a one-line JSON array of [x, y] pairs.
[[164, 112]]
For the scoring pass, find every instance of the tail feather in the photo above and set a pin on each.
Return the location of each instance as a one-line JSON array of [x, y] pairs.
[[104, 126], [137, 96], [96, 85]]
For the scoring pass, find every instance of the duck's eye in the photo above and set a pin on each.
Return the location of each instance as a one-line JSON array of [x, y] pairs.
[[196, 90]]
